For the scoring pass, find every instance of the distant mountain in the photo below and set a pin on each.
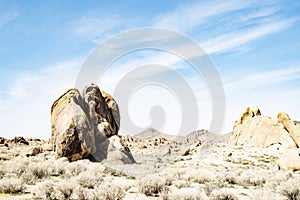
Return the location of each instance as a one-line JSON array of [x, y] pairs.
[[151, 133], [296, 122]]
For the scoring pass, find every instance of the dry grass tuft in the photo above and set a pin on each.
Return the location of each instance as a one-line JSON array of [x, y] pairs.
[[152, 185], [108, 191], [290, 189], [222, 194], [11, 186]]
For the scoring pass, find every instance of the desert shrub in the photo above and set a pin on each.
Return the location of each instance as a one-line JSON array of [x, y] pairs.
[[59, 191], [46, 190], [152, 185], [2, 174], [181, 184], [290, 189], [187, 194], [35, 172], [17, 165], [64, 189], [170, 176], [75, 168], [228, 178], [83, 194], [89, 179], [59, 167], [222, 194], [11, 186], [252, 178], [199, 176], [116, 172], [108, 191], [276, 178]]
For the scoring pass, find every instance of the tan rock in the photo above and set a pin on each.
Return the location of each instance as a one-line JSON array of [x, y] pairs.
[[186, 152], [113, 106], [19, 140], [290, 160], [72, 132], [260, 131], [290, 126], [34, 151], [248, 115], [82, 126]]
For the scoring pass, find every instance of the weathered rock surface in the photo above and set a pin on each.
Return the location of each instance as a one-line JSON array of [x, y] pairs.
[[290, 160], [252, 129], [292, 127], [81, 125], [118, 151]]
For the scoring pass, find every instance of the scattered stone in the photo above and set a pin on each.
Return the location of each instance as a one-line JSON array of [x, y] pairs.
[[186, 152], [34, 151], [19, 140], [166, 151], [47, 147]]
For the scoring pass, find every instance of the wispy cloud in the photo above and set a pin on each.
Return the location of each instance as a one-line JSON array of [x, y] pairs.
[[28, 99], [8, 17], [263, 79], [190, 16], [237, 38], [228, 29]]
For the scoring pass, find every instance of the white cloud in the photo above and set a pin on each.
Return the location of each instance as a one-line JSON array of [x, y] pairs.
[[25, 110], [235, 39], [264, 79], [190, 16]]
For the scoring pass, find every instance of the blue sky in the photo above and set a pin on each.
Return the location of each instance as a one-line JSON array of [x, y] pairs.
[[254, 45]]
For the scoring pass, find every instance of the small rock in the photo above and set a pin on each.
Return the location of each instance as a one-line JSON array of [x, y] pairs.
[[186, 152], [19, 140], [34, 151], [166, 151]]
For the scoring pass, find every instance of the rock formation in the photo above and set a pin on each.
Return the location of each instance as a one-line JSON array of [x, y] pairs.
[[253, 129], [290, 126], [81, 125]]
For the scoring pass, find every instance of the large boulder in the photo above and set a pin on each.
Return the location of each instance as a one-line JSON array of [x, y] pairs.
[[72, 130], [253, 129], [82, 125], [290, 160]]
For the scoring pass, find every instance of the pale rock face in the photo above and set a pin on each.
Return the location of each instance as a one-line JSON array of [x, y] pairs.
[[290, 160], [260, 131], [72, 133], [82, 126], [290, 126], [118, 152]]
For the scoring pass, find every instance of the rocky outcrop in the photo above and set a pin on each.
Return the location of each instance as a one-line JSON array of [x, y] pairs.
[[292, 127], [82, 125], [253, 129]]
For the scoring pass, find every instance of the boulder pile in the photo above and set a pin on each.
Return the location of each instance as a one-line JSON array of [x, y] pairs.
[[87, 125]]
